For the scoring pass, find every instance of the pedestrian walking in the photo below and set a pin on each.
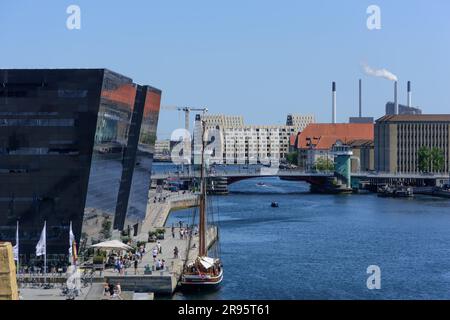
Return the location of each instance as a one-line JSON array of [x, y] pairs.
[[175, 252], [158, 245], [135, 266], [106, 288], [111, 289], [117, 292], [154, 253], [122, 267]]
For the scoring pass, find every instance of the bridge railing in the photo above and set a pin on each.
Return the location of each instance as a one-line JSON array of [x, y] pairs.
[[292, 172], [233, 172]]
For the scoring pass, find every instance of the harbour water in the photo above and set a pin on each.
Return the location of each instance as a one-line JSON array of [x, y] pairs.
[[319, 246]]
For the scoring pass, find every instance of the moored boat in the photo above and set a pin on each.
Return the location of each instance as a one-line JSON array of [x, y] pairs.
[[203, 272], [395, 192]]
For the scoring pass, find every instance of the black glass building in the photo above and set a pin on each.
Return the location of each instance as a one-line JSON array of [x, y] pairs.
[[72, 141]]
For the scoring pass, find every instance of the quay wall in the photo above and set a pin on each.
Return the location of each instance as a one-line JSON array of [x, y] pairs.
[[164, 284]]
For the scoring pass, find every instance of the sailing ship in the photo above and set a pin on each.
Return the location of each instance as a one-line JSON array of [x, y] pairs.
[[204, 271]]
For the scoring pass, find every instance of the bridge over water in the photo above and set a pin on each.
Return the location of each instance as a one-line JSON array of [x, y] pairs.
[[311, 177]]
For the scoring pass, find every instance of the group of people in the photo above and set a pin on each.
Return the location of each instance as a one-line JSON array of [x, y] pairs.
[[157, 249], [184, 232], [160, 264], [159, 199], [121, 262]]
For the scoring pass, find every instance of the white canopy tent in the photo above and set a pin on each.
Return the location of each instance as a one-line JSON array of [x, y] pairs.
[[112, 245]]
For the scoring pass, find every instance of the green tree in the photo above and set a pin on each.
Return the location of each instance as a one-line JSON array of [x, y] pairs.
[[431, 160], [424, 155], [291, 157], [106, 228], [324, 164], [437, 159]]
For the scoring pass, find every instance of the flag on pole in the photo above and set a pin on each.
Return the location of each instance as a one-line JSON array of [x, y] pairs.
[[16, 247], [41, 247], [72, 246]]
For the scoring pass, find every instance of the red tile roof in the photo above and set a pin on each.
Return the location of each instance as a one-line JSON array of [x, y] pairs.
[[293, 139], [324, 135]]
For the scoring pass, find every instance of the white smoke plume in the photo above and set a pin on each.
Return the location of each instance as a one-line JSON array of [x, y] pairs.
[[382, 73]]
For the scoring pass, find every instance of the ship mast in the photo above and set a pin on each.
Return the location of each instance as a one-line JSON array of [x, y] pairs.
[[202, 219]]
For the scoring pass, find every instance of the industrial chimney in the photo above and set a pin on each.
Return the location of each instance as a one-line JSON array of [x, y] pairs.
[[395, 98], [360, 98], [409, 94], [333, 112]]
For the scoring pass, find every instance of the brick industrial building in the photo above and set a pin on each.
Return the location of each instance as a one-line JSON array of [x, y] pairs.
[[317, 141]]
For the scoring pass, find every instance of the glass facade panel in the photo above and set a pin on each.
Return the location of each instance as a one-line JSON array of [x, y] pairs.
[[147, 136], [111, 135], [65, 146]]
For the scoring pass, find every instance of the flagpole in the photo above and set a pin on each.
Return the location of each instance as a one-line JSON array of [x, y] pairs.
[[45, 253], [18, 251]]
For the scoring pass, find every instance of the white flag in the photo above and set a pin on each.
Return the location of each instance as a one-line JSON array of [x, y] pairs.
[[41, 247], [71, 241], [16, 247]]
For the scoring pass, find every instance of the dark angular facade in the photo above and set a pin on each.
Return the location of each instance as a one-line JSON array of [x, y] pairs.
[[72, 141]]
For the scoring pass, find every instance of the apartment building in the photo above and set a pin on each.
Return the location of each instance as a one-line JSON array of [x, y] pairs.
[[241, 143]]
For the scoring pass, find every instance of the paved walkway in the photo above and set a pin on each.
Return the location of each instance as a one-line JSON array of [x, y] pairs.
[[156, 217], [158, 212], [173, 266]]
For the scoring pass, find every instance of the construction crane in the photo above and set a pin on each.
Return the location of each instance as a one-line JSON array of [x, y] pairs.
[[187, 111]]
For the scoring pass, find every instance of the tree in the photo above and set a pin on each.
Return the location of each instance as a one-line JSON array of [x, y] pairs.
[[291, 157], [324, 164], [437, 159], [424, 155], [106, 228], [431, 160]]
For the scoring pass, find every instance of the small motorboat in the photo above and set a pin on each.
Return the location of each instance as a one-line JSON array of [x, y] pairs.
[[261, 184], [274, 204], [395, 192]]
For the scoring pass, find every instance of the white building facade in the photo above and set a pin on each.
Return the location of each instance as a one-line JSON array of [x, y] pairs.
[[236, 143]]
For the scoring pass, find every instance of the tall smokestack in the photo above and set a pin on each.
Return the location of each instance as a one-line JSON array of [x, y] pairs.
[[409, 94], [360, 98], [395, 98], [333, 112]]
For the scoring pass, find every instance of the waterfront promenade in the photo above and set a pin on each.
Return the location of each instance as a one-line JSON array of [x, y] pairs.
[[144, 279], [160, 206], [161, 281]]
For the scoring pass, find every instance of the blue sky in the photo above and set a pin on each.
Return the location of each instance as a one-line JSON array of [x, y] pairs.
[[261, 59]]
